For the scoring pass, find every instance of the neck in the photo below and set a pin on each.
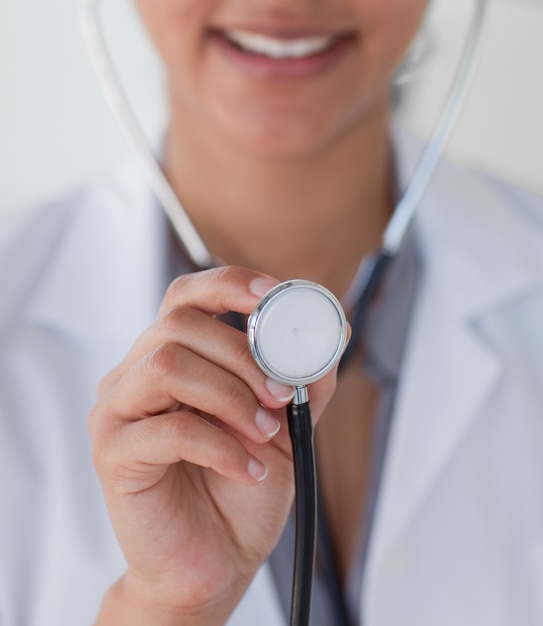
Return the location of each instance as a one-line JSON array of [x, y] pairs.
[[311, 217]]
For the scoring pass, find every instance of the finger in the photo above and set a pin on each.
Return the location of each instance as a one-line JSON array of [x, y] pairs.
[[214, 292], [172, 375], [218, 290], [216, 342], [141, 452]]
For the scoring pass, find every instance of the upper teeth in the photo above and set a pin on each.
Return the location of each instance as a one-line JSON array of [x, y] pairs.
[[280, 48]]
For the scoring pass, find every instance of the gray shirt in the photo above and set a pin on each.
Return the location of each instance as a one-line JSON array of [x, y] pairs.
[[384, 340]]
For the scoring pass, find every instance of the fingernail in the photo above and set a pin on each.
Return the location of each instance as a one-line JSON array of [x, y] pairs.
[[260, 286], [266, 423], [280, 392], [256, 469]]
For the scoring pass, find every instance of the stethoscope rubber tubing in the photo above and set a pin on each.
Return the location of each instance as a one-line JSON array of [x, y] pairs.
[[303, 452]]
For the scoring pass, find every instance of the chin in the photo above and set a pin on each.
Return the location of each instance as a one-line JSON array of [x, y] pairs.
[[286, 132], [280, 138]]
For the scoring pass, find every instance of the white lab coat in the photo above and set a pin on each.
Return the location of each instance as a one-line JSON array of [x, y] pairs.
[[458, 538]]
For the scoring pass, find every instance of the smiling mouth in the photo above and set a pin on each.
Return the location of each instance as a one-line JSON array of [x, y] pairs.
[[275, 48], [274, 53]]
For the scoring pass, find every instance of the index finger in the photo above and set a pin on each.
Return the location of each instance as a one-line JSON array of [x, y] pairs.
[[219, 290]]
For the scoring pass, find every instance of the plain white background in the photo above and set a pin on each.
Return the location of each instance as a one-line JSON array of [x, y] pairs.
[[56, 131]]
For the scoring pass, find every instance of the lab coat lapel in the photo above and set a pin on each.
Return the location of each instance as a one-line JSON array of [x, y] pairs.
[[478, 255], [448, 373]]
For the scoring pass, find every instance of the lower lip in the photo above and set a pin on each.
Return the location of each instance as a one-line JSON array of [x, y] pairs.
[[258, 65]]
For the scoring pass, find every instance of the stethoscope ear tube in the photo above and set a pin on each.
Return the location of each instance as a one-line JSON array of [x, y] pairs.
[[301, 435], [104, 67], [188, 236]]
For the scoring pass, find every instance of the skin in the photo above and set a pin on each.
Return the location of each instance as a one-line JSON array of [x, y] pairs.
[[186, 427]]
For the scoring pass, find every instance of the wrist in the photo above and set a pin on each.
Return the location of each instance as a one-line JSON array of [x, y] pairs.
[[121, 606]]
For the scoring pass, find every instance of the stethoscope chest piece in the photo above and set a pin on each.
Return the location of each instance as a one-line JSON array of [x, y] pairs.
[[297, 332]]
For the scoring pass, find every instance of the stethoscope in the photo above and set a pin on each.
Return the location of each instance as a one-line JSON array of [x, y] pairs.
[[297, 332]]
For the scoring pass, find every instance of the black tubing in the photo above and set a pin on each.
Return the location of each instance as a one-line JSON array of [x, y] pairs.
[[301, 435]]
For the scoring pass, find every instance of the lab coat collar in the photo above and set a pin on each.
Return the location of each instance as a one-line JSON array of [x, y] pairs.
[[107, 274]]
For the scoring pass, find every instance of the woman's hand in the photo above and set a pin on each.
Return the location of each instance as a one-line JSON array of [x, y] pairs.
[[191, 445]]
